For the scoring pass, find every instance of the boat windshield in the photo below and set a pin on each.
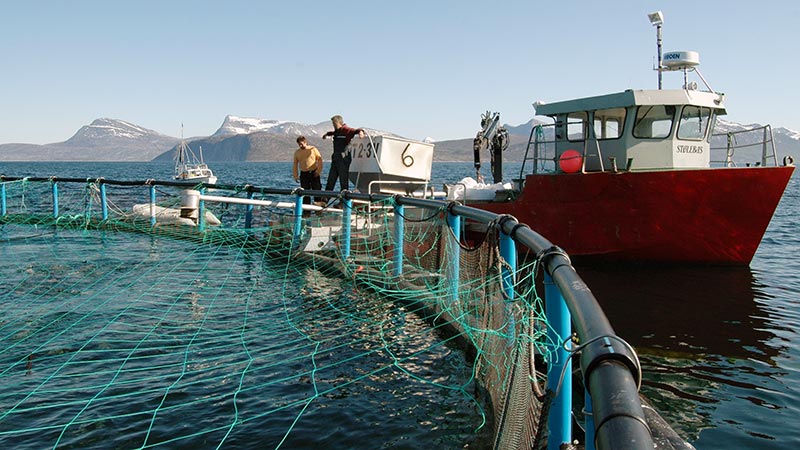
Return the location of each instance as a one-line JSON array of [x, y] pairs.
[[608, 123], [694, 122], [576, 126], [654, 121]]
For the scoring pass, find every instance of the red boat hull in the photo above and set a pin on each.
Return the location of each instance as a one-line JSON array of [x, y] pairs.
[[710, 216]]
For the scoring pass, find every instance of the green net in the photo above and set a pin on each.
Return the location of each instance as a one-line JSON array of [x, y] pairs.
[[126, 325]]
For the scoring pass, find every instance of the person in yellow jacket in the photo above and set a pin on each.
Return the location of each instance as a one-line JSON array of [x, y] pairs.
[[307, 167]]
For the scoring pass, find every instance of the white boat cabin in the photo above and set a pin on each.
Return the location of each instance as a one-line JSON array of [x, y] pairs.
[[634, 130], [192, 171], [390, 164]]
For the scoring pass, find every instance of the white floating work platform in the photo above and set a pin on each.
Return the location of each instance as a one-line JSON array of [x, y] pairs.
[[170, 216]]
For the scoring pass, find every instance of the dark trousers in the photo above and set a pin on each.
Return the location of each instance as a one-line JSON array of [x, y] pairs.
[[340, 169], [310, 180]]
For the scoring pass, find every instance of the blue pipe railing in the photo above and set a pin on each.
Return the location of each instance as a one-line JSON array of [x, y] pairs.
[[399, 241], [152, 205], [346, 229], [508, 251], [248, 215], [298, 216], [201, 210], [54, 187], [609, 367], [3, 199], [559, 380], [454, 223], [103, 201]]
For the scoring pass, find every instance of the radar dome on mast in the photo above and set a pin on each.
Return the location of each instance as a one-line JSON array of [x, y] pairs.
[[680, 60]]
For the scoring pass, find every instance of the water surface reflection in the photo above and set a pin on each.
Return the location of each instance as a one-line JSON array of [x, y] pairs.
[[711, 347]]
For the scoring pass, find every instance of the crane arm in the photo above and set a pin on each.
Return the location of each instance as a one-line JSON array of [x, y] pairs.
[[492, 135]]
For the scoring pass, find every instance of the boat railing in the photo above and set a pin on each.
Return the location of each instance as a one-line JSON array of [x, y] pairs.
[[542, 150], [609, 367], [756, 145], [597, 153], [415, 188]]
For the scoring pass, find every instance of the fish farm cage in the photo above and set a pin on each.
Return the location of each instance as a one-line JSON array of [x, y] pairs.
[[198, 316]]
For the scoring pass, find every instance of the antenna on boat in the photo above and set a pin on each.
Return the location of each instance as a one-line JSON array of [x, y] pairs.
[[657, 19], [686, 61]]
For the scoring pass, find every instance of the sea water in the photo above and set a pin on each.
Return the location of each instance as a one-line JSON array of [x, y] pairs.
[[720, 346]]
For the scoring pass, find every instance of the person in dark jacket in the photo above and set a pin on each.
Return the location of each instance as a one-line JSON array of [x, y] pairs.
[[341, 158]]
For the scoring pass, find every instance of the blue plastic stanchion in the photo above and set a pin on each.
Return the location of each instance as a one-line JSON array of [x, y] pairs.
[[508, 251], [454, 222], [399, 239], [298, 216], [152, 205], [55, 199], [201, 212], [3, 206], [248, 215], [346, 214], [558, 421], [103, 201]]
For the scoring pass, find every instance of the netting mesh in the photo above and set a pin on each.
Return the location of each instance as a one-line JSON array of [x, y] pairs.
[[239, 333]]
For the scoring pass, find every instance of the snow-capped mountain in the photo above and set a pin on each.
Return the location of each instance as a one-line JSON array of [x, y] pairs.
[[115, 132], [102, 140], [726, 126], [254, 139], [791, 134], [112, 128], [235, 125], [747, 140]]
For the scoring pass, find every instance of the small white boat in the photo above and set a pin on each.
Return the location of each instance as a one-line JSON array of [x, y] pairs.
[[188, 167]]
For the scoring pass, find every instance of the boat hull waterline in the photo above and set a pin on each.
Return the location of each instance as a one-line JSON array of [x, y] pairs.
[[710, 216]]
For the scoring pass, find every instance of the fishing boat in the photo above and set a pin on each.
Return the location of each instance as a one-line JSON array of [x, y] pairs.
[[190, 167], [629, 176]]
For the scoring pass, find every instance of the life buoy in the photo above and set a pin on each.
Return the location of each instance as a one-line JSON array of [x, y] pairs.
[[788, 161]]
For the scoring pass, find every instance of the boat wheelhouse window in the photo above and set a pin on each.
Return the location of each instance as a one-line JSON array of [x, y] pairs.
[[608, 123], [576, 126], [712, 125], [694, 122], [654, 121]]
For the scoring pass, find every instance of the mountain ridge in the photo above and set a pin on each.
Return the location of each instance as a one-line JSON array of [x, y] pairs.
[[252, 139], [102, 140]]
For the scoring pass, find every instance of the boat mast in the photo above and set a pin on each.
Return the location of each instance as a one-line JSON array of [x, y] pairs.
[[180, 158], [657, 19]]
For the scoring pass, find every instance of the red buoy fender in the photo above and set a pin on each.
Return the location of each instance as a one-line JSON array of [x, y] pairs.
[[571, 161]]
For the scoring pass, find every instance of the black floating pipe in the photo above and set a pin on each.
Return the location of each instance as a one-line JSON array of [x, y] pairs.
[[619, 418], [607, 364]]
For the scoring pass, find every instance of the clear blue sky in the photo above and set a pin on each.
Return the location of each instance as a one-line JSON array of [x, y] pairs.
[[417, 68]]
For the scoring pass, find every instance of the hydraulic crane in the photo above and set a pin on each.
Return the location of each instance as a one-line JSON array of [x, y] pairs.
[[492, 136]]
